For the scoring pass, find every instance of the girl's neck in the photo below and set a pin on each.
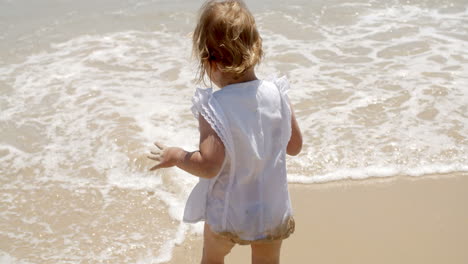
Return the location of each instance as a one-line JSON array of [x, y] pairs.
[[228, 79]]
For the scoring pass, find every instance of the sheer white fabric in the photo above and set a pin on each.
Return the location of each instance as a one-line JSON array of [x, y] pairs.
[[249, 198]]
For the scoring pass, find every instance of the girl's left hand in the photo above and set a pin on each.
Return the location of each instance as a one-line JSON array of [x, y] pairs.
[[165, 156]]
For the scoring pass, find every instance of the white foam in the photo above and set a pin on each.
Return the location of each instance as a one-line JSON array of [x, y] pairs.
[[376, 172], [165, 253], [6, 258], [374, 124]]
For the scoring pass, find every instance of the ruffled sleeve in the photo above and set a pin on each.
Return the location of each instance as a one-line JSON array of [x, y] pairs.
[[200, 100], [283, 84], [204, 103]]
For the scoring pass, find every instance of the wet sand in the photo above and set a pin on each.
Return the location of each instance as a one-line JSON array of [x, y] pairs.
[[394, 220]]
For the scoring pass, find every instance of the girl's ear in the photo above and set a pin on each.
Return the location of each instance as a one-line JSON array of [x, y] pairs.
[[214, 66], [218, 66], [209, 67]]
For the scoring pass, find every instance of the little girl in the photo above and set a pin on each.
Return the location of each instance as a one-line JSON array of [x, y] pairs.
[[246, 129]]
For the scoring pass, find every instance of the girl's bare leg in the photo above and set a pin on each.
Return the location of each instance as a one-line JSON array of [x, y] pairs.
[[215, 248], [266, 253]]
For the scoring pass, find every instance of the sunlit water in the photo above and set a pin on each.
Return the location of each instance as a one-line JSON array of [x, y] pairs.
[[380, 89]]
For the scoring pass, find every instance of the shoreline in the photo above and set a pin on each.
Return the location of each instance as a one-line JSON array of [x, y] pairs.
[[401, 219]]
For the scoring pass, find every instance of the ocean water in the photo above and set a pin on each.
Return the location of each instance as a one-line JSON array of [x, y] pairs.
[[380, 89]]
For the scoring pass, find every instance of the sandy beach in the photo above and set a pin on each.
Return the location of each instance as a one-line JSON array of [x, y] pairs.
[[393, 220]]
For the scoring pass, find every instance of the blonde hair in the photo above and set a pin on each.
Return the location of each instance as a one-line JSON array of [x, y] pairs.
[[226, 34]]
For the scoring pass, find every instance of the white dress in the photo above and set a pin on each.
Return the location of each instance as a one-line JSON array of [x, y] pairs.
[[248, 200]]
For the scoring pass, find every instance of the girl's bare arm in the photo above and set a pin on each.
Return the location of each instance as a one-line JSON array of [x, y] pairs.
[[204, 163], [295, 142]]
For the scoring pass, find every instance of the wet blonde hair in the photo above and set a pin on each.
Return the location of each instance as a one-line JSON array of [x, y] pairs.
[[226, 34]]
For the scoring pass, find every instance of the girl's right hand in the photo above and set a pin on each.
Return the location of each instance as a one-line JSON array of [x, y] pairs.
[[165, 156]]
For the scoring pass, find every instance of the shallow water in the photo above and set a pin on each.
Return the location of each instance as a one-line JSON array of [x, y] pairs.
[[379, 87]]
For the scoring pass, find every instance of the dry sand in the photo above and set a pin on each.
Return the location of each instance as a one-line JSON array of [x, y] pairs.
[[394, 220]]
